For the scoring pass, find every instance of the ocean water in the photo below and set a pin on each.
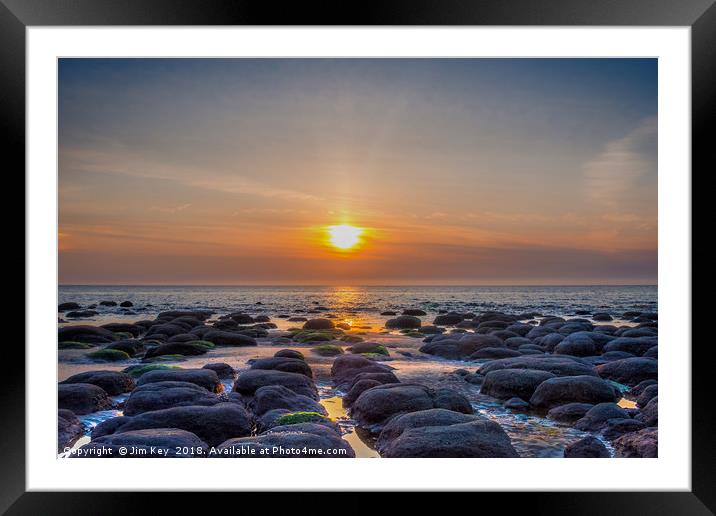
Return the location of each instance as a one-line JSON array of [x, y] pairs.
[[363, 303]]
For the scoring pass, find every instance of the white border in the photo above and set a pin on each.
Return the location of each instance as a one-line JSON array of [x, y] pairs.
[[670, 471]]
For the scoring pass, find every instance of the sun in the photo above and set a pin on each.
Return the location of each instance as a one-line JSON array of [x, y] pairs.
[[344, 236]]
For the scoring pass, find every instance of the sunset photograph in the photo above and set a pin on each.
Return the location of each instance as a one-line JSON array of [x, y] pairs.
[[357, 258]]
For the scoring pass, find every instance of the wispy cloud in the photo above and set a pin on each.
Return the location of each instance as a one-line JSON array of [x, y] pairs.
[[622, 164], [171, 209]]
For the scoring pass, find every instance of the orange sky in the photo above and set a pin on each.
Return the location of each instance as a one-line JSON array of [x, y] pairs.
[[229, 172]]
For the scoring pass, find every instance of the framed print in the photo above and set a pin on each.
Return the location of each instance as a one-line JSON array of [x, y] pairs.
[[406, 241]]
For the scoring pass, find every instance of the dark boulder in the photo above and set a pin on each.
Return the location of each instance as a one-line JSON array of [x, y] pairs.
[[223, 371], [272, 397], [63, 307], [414, 312], [617, 427], [557, 365], [509, 383], [126, 304], [517, 404], [649, 415], [112, 382], [88, 334], [318, 324], [212, 424], [375, 406], [134, 329], [69, 429], [289, 365], [163, 395], [642, 443], [588, 448], [601, 316], [82, 398], [630, 371], [403, 322], [449, 319], [202, 377], [569, 412], [494, 353], [250, 381], [346, 368], [290, 353], [578, 347], [634, 345], [596, 418], [649, 392], [443, 433], [176, 348], [570, 389], [225, 338]]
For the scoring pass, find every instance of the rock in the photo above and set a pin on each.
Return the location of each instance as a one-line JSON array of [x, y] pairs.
[[126, 304], [570, 389], [149, 443], [550, 341], [289, 353], [327, 350], [112, 382], [69, 429], [649, 392], [369, 347], [509, 383], [167, 394], [650, 413], [642, 443], [578, 347], [588, 448], [346, 369], [357, 389], [63, 307], [474, 378], [375, 406], [299, 440], [430, 330], [225, 338], [618, 427], [493, 353], [449, 319], [520, 329], [414, 311], [168, 329], [108, 303], [297, 319], [638, 389], [601, 316], [517, 342], [222, 370], [443, 433], [557, 365], [205, 378], [108, 355], [272, 397], [389, 313], [596, 418], [636, 346], [318, 324], [517, 404], [88, 334], [629, 371], [569, 413], [183, 337], [177, 348], [129, 346], [212, 424], [289, 365], [652, 352], [82, 398], [403, 322], [250, 381]]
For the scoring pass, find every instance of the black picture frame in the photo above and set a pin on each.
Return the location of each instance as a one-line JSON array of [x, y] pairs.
[[17, 15]]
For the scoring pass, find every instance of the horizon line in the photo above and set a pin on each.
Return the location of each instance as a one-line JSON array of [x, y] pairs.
[[358, 285]]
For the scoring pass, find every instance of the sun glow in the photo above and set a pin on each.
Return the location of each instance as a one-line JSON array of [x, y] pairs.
[[344, 236]]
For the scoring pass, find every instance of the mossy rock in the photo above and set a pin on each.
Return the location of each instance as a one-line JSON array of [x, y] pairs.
[[165, 358], [74, 345], [328, 350], [370, 348], [138, 370], [123, 335], [414, 334], [317, 336], [374, 356], [108, 355], [351, 338], [294, 418]]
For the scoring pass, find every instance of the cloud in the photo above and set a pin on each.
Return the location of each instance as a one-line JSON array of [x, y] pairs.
[[618, 170], [171, 209]]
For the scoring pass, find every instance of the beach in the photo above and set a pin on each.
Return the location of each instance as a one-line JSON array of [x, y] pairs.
[[364, 372]]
